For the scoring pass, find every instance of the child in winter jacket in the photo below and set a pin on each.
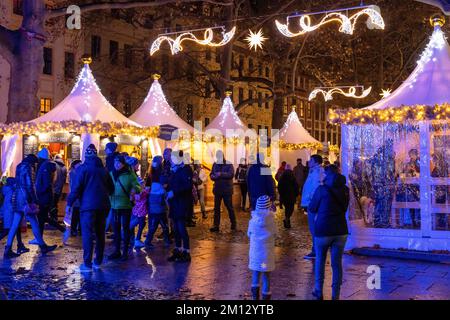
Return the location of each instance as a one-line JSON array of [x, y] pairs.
[[8, 214], [139, 212], [261, 231], [157, 205]]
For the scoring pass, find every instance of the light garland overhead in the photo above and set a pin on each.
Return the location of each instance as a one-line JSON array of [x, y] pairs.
[[175, 44], [328, 92], [255, 40], [375, 20]]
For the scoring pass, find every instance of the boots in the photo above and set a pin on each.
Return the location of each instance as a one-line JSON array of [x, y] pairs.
[[9, 254], [267, 296], [255, 293], [176, 254], [22, 249], [46, 249]]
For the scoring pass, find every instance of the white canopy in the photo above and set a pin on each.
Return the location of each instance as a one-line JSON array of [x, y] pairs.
[[85, 103], [227, 121], [294, 132], [155, 111], [429, 84]]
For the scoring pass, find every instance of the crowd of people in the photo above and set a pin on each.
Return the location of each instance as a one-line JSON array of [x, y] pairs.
[[114, 195]]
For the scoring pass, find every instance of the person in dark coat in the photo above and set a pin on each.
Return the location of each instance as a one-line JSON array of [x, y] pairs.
[[45, 178], [179, 197], [111, 153], [260, 181], [329, 203], [241, 177], [61, 177], [75, 226], [288, 189], [222, 174], [25, 204], [93, 186]]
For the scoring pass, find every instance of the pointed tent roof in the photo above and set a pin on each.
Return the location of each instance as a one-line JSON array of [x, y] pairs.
[[429, 83], [293, 131], [227, 119], [420, 96], [155, 111], [85, 103]]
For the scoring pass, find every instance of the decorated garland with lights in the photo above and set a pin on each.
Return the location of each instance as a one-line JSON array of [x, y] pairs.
[[298, 146], [77, 127]]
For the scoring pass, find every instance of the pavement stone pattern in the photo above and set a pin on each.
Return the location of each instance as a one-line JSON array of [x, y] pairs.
[[218, 270]]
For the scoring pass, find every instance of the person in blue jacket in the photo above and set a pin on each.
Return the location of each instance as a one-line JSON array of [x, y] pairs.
[[260, 181]]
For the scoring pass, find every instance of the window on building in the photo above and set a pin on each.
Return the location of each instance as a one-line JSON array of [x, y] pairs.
[[285, 109], [96, 44], [218, 55], [127, 56], [48, 61], [250, 126], [267, 72], [260, 99], [294, 101], [127, 104], [206, 122], [241, 62], [250, 64], [46, 106], [208, 89], [208, 54], [260, 69], [190, 114], [308, 110], [17, 7], [317, 112], [267, 103], [241, 95], [113, 52], [322, 135], [250, 94], [69, 65]]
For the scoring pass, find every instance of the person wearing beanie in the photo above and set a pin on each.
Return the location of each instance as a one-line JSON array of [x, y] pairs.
[[111, 152], [25, 204], [92, 187], [125, 185], [261, 231], [45, 186]]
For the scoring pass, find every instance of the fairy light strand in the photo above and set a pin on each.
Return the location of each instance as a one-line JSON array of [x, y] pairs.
[[328, 93]]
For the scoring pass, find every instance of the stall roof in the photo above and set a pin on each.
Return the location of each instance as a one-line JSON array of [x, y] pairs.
[[85, 103], [294, 132], [155, 111]]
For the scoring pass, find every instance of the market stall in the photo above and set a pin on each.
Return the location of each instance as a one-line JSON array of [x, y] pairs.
[[396, 156]]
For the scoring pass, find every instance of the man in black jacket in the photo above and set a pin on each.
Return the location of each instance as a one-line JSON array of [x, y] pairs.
[[93, 186], [260, 181], [60, 181], [222, 174]]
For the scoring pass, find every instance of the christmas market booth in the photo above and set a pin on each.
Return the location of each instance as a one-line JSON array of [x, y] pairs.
[[396, 154], [82, 118], [295, 142]]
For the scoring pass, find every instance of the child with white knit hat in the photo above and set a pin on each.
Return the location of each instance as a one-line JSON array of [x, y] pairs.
[[261, 231]]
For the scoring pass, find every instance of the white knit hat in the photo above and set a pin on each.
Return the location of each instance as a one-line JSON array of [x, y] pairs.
[[263, 203]]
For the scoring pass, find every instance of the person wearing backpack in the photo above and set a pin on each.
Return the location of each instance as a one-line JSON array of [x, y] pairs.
[[241, 177], [329, 204], [125, 184]]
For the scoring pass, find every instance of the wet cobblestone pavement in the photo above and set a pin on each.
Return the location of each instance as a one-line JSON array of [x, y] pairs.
[[218, 271]]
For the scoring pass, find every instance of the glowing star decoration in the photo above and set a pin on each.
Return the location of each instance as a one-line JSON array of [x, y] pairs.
[[175, 44], [328, 92], [385, 93], [255, 40], [347, 24]]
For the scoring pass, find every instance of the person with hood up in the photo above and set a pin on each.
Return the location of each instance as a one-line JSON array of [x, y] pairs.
[[92, 188], [260, 181], [25, 204], [125, 184], [179, 196], [261, 231], [329, 204], [45, 177], [288, 190], [60, 181]]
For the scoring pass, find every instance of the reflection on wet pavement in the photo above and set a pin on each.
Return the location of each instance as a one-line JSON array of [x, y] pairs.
[[218, 271]]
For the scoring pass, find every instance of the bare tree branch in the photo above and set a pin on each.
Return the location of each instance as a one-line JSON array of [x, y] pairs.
[[54, 13]]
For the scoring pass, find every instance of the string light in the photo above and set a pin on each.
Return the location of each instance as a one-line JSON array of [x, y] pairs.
[[175, 44], [328, 92], [347, 24], [255, 40]]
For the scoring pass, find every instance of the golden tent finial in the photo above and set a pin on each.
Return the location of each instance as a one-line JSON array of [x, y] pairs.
[[156, 76], [228, 93], [437, 20], [86, 59]]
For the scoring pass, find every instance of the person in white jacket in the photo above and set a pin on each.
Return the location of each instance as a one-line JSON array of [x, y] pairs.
[[313, 181], [261, 231]]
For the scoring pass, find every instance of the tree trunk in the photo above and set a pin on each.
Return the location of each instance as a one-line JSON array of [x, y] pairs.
[[27, 64], [279, 85]]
